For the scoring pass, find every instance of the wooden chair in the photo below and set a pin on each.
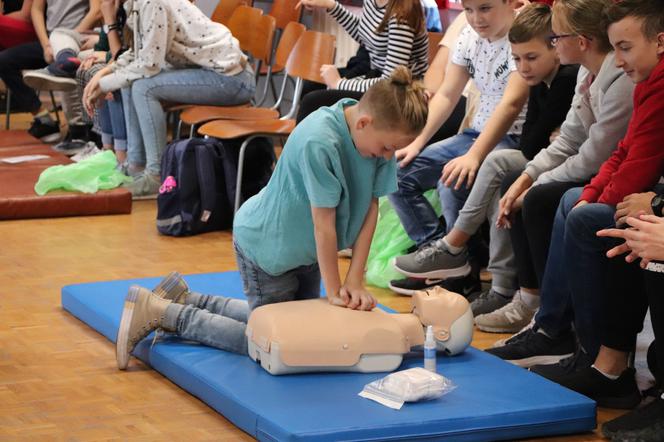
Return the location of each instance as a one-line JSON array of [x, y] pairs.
[[312, 50], [434, 41], [285, 11], [197, 115], [225, 8], [243, 24]]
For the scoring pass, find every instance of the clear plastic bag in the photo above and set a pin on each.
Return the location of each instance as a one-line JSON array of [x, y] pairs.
[[412, 385]]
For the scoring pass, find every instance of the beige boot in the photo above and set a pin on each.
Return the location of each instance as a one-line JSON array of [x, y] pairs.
[[172, 287], [143, 312]]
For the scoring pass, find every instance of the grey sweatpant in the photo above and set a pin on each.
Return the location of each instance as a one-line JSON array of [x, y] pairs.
[[482, 204]]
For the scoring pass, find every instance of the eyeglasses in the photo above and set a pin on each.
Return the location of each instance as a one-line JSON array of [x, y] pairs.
[[554, 38]]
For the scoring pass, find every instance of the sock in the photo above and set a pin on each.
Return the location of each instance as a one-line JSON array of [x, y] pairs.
[[613, 377], [66, 63], [531, 300], [505, 293], [44, 117], [452, 249]]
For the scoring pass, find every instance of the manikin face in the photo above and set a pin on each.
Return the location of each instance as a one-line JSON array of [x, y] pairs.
[[491, 19], [535, 60], [634, 52], [373, 143]]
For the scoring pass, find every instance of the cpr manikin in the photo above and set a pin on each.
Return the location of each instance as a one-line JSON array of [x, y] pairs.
[[312, 335]]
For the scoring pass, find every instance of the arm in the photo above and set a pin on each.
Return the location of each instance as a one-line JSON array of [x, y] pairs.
[[435, 75], [91, 18], [354, 283], [38, 15], [643, 160], [151, 58], [645, 239], [603, 136], [325, 233], [503, 116], [400, 38], [23, 13], [349, 21], [109, 14], [441, 106]]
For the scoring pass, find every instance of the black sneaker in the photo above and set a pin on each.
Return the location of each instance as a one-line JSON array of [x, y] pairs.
[[641, 424], [531, 347], [565, 367], [48, 132], [466, 286], [612, 393], [75, 141]]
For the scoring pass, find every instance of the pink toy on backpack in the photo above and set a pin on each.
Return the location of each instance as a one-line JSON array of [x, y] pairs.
[[168, 185]]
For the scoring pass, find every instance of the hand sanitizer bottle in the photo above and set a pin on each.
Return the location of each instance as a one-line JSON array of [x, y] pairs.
[[430, 350]]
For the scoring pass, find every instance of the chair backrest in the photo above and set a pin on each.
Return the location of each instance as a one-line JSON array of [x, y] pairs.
[[434, 40], [262, 38], [242, 24], [312, 50], [225, 8], [291, 34], [285, 11]]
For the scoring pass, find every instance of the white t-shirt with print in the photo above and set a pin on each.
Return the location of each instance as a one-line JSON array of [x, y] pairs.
[[489, 65]]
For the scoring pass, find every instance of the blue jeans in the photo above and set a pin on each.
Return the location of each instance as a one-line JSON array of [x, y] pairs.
[[221, 322], [574, 284], [146, 120], [416, 214], [112, 122]]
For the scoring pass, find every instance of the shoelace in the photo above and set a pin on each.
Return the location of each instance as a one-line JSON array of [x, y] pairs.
[[433, 249]]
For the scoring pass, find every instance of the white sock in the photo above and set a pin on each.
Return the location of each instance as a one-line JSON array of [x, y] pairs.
[[613, 377], [452, 249], [530, 299]]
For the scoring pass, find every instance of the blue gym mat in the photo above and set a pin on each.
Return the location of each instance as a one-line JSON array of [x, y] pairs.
[[494, 400]]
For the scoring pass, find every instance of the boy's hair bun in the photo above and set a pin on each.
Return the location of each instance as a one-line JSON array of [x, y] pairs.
[[401, 76]]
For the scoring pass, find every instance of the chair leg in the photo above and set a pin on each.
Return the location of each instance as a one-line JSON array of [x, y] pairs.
[[240, 169], [192, 131], [178, 131], [55, 108], [8, 107]]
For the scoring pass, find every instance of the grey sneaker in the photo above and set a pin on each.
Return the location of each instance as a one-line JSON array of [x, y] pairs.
[[144, 187], [44, 80], [433, 261], [487, 302], [510, 318], [172, 287]]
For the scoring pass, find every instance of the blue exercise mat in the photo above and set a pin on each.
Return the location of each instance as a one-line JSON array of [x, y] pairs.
[[494, 400]]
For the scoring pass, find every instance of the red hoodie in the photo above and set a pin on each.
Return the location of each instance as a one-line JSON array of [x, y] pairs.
[[638, 162]]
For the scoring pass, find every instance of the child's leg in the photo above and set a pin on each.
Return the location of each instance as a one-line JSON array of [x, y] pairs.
[[423, 173], [118, 126], [224, 329], [105, 126], [262, 288], [654, 283], [135, 149], [452, 201], [309, 282], [66, 44]]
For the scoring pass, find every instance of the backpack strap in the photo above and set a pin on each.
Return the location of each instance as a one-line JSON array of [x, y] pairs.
[[206, 178]]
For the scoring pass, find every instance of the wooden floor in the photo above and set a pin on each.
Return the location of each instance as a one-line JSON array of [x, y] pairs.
[[58, 378]]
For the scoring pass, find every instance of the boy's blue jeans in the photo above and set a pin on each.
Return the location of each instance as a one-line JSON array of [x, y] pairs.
[[221, 322], [112, 122], [416, 214], [574, 280]]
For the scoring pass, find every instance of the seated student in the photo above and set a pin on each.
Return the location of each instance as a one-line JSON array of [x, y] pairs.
[[575, 255], [482, 53], [551, 91], [598, 118], [636, 31], [180, 56], [322, 197], [16, 24], [644, 241], [392, 31], [75, 15]]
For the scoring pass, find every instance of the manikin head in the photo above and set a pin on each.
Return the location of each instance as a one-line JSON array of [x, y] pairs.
[[450, 315]]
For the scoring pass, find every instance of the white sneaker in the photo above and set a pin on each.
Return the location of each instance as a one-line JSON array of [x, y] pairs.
[[510, 318], [88, 151]]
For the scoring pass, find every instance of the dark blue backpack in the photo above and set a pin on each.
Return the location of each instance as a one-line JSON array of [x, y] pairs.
[[194, 195]]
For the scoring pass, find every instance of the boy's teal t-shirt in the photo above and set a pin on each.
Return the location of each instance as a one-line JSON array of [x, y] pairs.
[[319, 167]]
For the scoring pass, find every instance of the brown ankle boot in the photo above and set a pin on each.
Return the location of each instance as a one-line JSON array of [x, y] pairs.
[[143, 312], [172, 287]]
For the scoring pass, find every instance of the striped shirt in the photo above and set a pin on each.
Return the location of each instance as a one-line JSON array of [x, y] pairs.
[[397, 45]]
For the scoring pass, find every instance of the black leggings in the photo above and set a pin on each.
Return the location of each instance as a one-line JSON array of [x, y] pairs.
[[532, 226]]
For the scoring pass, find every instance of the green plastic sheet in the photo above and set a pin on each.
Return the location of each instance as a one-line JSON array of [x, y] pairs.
[[390, 240], [97, 172]]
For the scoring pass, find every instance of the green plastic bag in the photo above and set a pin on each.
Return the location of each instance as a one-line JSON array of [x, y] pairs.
[[390, 240], [97, 172]]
